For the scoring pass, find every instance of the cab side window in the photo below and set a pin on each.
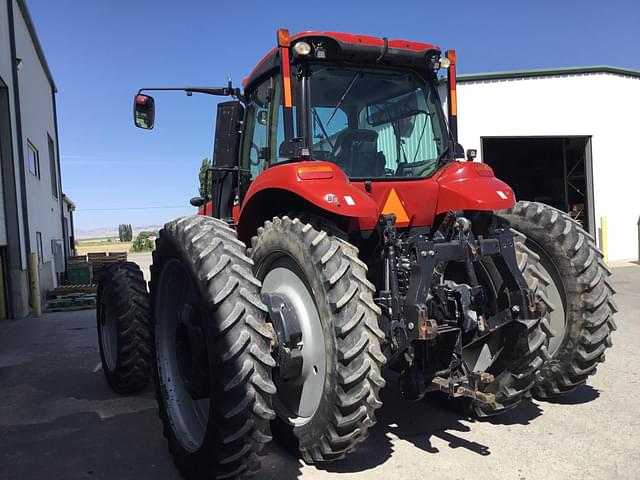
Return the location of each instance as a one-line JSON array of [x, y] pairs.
[[278, 119], [256, 137]]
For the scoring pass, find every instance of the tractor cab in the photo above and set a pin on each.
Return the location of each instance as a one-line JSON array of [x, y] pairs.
[[368, 105]]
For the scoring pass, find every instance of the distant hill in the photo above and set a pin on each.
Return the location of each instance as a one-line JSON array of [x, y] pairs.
[[105, 232]]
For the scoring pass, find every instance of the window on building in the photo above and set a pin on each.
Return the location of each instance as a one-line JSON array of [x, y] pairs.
[[39, 247], [52, 167], [34, 160]]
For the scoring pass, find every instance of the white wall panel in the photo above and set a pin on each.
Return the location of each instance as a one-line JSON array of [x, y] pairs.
[[604, 106]]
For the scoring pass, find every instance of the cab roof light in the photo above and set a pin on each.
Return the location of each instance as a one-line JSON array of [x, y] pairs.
[[444, 62], [302, 48], [315, 172]]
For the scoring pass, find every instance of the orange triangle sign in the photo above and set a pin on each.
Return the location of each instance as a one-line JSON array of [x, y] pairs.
[[394, 205]]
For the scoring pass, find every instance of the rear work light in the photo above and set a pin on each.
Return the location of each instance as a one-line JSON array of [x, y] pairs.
[[315, 172], [302, 48]]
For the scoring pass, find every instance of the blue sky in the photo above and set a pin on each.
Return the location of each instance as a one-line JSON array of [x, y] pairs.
[[101, 52]]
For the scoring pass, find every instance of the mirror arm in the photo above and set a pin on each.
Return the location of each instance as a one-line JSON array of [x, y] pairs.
[[228, 91]]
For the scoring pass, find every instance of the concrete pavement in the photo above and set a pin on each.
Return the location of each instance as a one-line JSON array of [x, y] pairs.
[[58, 419]]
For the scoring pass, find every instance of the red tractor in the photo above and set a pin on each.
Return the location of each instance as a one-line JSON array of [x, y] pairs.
[[343, 232]]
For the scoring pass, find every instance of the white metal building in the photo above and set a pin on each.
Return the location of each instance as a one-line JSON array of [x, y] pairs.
[[564, 137], [31, 200]]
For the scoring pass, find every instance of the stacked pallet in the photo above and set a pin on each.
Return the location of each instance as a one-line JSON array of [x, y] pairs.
[[78, 270], [71, 297], [71, 301], [99, 261]]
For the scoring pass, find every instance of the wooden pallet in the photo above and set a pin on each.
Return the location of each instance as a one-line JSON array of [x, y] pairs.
[[100, 261], [64, 290], [72, 301], [77, 259], [122, 256]]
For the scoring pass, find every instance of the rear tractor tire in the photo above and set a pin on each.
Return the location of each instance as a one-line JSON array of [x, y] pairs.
[[580, 297], [123, 327], [211, 350], [325, 408], [525, 347]]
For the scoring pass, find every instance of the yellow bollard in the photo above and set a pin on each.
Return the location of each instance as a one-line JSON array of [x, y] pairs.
[[604, 242], [34, 280]]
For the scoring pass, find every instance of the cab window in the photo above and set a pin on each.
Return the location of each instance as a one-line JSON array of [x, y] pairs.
[[327, 123], [255, 143], [278, 119]]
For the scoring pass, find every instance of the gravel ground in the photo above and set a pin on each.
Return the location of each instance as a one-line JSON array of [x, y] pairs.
[[58, 420]]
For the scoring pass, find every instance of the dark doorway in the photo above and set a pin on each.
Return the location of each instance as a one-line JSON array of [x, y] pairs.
[[551, 170]]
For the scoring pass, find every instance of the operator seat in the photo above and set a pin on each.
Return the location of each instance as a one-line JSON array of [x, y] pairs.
[[356, 152]]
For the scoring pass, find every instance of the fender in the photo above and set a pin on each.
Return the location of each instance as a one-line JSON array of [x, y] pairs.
[[471, 186], [322, 184]]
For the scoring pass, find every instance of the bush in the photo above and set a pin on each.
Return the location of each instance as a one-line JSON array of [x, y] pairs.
[[143, 242]]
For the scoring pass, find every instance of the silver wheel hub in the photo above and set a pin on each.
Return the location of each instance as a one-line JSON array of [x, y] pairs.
[[298, 397]]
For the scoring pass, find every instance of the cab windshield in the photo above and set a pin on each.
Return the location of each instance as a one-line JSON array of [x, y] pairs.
[[376, 123]]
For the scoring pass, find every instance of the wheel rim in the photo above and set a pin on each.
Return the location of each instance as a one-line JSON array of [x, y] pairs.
[[298, 398], [176, 295], [556, 312], [109, 332]]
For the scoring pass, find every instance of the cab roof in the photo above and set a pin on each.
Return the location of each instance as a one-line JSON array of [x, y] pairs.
[[352, 47]]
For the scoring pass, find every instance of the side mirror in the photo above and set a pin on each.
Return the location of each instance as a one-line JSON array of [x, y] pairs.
[[144, 111], [197, 202]]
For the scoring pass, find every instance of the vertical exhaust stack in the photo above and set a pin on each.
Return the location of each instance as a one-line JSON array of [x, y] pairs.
[[453, 95]]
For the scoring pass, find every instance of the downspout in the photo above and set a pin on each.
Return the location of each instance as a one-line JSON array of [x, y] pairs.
[[16, 100], [72, 233], [18, 117], [59, 173]]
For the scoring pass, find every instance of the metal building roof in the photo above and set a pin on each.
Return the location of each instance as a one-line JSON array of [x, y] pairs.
[[547, 72]]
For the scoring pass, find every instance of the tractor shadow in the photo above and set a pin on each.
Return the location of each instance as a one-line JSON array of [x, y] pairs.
[[420, 423], [582, 394], [425, 424]]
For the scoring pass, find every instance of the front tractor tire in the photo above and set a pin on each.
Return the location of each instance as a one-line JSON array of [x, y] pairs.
[[211, 350], [580, 297], [123, 327], [324, 408]]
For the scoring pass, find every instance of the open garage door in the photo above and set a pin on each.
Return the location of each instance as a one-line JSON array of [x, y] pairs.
[[553, 170]]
